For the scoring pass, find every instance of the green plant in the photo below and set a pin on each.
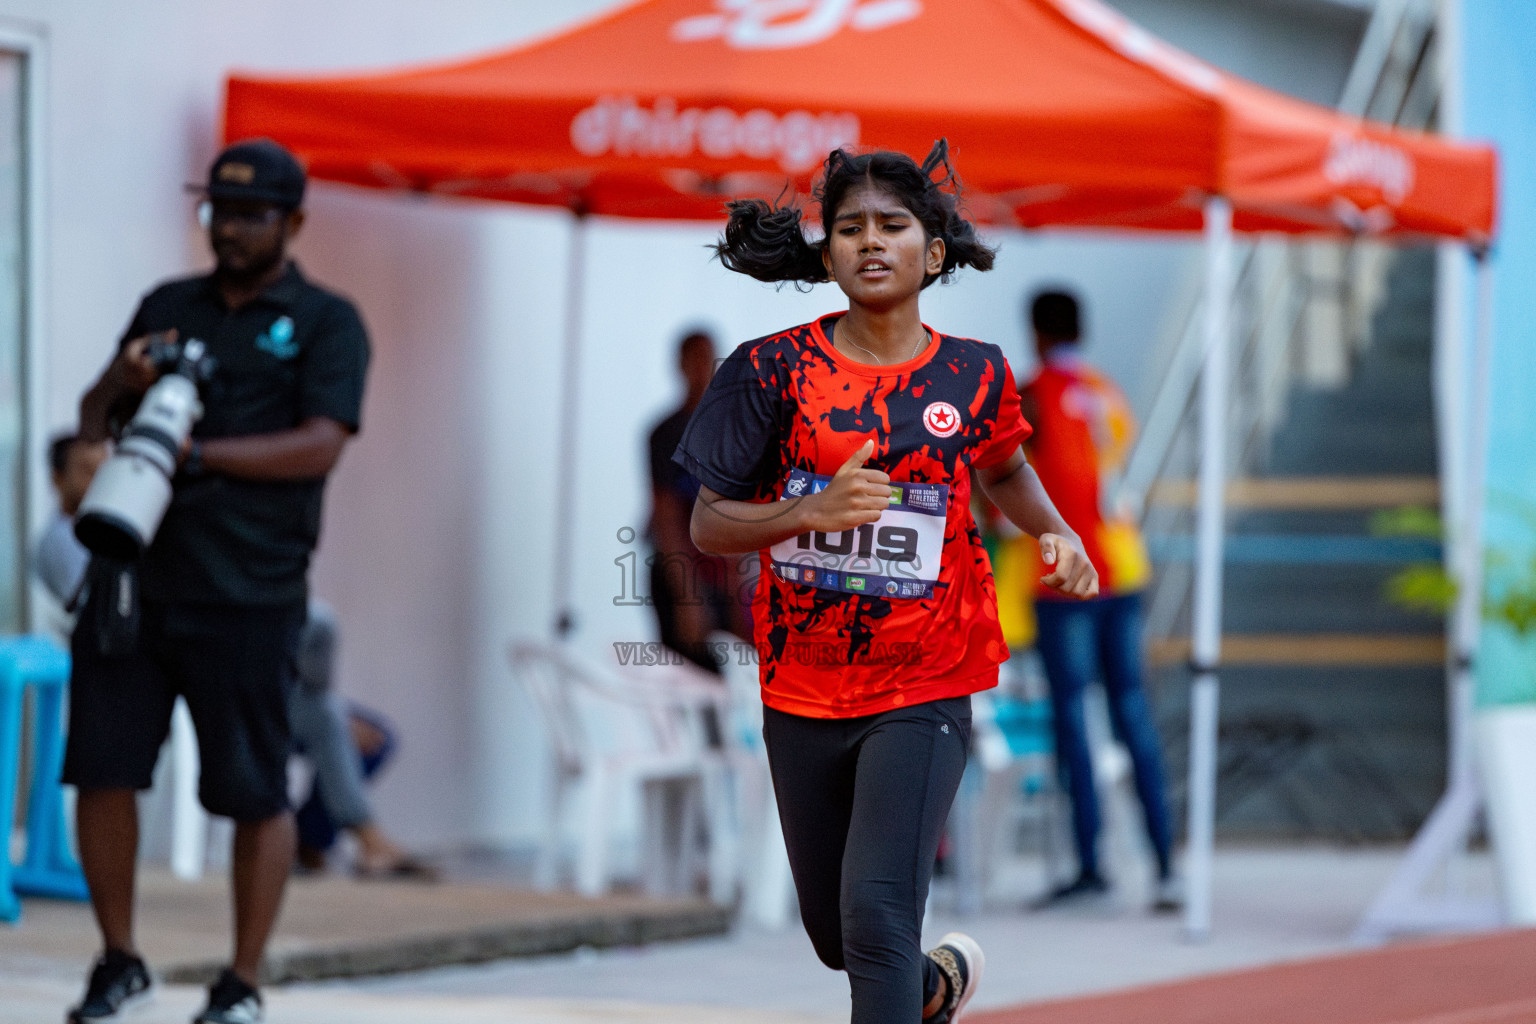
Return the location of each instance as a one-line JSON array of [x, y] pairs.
[[1515, 603], [1510, 582]]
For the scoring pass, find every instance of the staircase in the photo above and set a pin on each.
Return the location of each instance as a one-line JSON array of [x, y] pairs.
[[1332, 704]]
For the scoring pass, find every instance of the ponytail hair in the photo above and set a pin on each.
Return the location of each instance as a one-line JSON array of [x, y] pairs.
[[766, 241]]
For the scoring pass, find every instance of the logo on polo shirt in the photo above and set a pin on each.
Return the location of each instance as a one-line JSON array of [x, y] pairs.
[[278, 339], [941, 419], [237, 173]]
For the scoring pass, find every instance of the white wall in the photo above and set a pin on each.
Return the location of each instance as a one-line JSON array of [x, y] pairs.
[[438, 539], [1300, 47], [132, 104]]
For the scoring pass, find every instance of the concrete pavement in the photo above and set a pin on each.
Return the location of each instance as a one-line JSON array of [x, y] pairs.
[[1273, 905], [25, 1001], [336, 926]]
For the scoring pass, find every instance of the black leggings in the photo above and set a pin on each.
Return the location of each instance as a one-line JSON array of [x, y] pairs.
[[863, 803]]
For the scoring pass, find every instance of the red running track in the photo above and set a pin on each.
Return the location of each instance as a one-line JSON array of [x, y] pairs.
[[1485, 980]]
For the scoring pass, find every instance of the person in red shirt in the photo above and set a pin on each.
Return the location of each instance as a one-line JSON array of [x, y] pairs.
[[842, 451], [1083, 433]]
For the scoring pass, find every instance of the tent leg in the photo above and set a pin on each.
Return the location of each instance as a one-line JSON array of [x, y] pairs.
[[1402, 906], [1205, 640], [570, 398], [1467, 620]]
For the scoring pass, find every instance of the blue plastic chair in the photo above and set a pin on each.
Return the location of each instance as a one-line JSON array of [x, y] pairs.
[[47, 868], [1027, 725], [1025, 728]]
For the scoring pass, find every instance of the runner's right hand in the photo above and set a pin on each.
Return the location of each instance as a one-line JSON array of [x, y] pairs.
[[854, 496]]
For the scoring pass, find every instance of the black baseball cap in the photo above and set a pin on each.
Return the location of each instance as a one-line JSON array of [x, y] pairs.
[[259, 170]]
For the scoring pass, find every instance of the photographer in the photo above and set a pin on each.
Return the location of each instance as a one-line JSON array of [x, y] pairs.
[[221, 591]]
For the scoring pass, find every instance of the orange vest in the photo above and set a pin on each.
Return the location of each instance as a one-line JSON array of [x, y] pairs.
[[1083, 434]]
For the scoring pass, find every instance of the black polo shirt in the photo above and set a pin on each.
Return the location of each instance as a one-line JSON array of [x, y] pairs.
[[667, 475], [295, 352]]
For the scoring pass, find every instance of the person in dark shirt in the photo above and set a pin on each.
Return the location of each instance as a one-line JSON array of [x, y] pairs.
[[223, 585], [693, 593]]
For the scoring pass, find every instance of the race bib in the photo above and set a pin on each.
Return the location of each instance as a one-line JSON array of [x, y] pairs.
[[897, 556]]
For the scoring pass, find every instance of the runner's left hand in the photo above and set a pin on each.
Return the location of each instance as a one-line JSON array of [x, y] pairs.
[[1071, 572]]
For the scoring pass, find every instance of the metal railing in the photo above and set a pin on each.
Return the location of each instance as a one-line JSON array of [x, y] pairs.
[[1301, 310]]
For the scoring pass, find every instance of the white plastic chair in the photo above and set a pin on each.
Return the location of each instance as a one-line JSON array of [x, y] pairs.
[[733, 776], [768, 889], [176, 831], [1123, 846], [1007, 787], [640, 731], [189, 822]]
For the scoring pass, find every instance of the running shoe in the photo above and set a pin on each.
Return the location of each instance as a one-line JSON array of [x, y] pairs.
[[119, 982], [961, 961], [231, 1001]]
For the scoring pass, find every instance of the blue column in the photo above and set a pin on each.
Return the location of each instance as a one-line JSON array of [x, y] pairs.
[[1499, 78]]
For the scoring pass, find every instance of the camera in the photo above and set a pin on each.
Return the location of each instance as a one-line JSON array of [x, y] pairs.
[[128, 497], [166, 355]]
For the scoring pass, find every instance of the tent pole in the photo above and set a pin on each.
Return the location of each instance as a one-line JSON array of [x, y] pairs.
[[1403, 905], [570, 397], [1453, 369], [1205, 639], [1466, 625]]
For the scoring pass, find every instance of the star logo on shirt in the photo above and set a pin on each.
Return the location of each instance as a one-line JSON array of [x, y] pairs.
[[941, 419]]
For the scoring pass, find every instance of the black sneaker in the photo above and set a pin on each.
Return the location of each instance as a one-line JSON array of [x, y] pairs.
[[1082, 889], [231, 1001], [961, 961], [119, 982], [1168, 895]]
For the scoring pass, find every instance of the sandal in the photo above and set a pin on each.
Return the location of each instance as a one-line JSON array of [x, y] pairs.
[[404, 868]]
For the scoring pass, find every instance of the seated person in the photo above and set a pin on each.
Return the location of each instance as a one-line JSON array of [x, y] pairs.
[[60, 560], [347, 744]]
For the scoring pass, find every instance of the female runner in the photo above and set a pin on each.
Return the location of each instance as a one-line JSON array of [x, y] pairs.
[[842, 450]]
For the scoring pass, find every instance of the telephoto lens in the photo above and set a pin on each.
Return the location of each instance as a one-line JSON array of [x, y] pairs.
[[128, 497]]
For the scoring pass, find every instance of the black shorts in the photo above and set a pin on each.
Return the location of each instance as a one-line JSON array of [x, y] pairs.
[[233, 664]]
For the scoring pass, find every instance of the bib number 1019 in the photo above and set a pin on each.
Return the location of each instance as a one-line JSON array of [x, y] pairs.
[[888, 543], [899, 555]]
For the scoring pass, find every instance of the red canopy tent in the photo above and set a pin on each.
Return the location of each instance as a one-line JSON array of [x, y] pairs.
[[1059, 113]]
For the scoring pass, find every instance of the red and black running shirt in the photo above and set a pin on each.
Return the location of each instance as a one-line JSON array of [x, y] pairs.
[[789, 405]]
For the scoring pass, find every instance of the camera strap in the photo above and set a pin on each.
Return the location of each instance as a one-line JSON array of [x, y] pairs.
[[112, 598]]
